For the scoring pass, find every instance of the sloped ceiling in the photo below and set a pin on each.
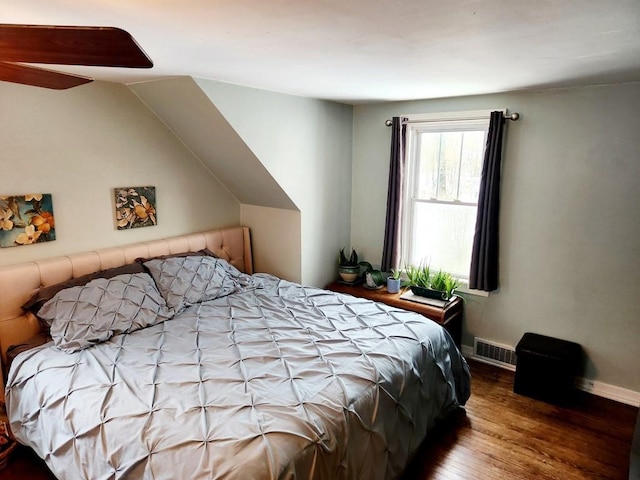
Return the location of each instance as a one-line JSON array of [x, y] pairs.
[[190, 114]]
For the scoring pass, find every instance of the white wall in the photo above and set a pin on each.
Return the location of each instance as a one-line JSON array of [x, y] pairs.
[[275, 240], [78, 145], [570, 230], [305, 144], [182, 105]]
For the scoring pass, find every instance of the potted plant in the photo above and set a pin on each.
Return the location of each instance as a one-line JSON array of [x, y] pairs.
[[348, 267], [419, 280], [394, 281], [373, 279], [444, 282], [422, 282]]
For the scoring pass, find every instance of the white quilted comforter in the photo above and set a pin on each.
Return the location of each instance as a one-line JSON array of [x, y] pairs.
[[272, 383]]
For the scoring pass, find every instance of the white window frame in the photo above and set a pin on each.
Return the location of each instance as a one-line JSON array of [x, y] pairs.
[[451, 121]]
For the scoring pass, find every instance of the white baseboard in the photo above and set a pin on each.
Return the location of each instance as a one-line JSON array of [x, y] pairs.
[[611, 392], [605, 390]]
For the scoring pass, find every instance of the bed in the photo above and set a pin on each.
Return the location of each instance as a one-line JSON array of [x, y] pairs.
[[188, 365]]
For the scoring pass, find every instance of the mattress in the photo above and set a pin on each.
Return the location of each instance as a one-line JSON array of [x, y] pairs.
[[274, 381]]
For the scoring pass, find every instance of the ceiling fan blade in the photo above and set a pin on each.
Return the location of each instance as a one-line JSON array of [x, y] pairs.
[[71, 45], [39, 77]]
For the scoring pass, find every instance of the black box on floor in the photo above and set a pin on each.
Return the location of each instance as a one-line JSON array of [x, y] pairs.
[[546, 368]]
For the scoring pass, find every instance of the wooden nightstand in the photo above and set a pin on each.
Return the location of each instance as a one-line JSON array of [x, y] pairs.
[[450, 317]]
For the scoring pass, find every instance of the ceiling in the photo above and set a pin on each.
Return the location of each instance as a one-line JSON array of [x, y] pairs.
[[357, 51]]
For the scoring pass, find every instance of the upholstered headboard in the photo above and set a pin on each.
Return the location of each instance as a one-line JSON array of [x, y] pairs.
[[18, 282]]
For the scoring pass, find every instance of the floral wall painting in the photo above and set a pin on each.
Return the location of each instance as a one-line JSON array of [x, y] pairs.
[[26, 219], [135, 207]]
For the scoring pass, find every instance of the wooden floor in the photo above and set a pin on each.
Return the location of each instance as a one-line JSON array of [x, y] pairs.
[[499, 435], [502, 435]]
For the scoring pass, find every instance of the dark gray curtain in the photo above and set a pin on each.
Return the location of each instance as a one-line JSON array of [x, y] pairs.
[[484, 257], [391, 250]]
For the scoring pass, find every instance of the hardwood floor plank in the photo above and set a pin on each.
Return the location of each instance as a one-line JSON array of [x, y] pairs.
[[527, 445]]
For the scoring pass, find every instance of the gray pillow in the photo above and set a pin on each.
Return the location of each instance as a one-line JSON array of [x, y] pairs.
[[44, 294], [185, 281], [85, 315]]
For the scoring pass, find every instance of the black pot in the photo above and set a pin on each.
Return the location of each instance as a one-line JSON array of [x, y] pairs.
[[429, 293]]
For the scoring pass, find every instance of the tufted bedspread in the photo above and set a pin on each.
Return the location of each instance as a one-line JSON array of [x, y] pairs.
[[280, 382]]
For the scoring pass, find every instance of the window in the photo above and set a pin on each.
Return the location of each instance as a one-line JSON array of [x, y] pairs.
[[444, 166]]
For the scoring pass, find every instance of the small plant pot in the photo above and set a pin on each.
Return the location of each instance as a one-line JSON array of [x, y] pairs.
[[349, 274], [393, 285], [429, 293]]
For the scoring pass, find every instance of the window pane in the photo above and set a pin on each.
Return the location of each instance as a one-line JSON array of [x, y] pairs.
[[471, 166], [443, 236], [427, 168], [449, 166]]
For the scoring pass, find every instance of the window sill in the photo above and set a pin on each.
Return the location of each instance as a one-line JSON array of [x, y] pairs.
[[464, 289]]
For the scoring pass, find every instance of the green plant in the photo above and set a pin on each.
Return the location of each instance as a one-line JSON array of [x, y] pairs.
[[377, 276], [445, 282], [439, 281], [351, 261], [395, 274], [360, 268], [420, 276]]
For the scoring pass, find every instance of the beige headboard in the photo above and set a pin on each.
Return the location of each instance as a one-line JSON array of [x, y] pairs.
[[18, 282]]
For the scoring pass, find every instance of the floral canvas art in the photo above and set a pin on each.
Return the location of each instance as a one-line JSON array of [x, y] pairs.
[[135, 207], [26, 219]]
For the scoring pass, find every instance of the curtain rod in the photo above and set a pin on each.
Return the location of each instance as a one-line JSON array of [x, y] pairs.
[[512, 116]]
